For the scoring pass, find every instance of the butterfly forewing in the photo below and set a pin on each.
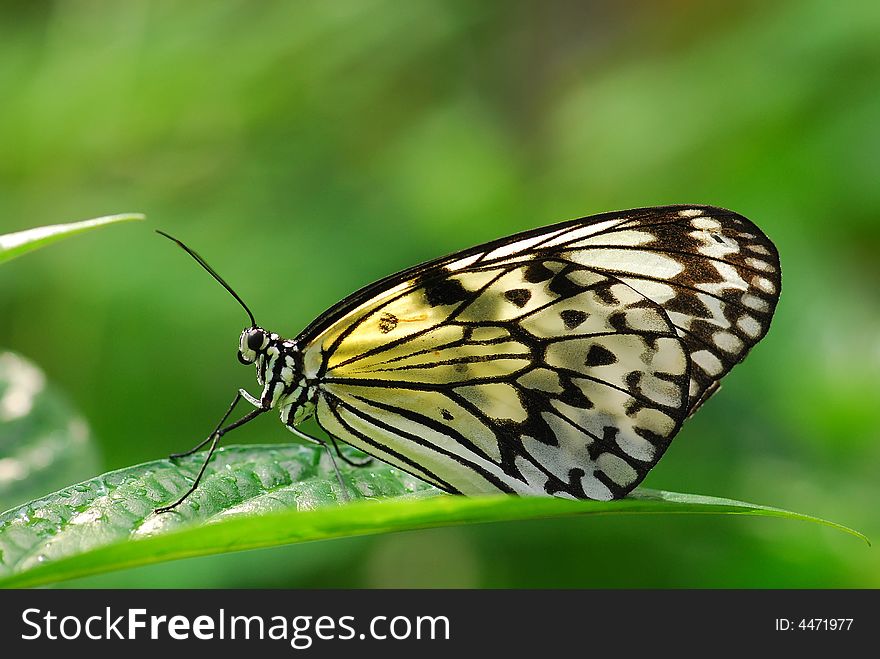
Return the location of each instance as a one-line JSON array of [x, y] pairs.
[[560, 361]]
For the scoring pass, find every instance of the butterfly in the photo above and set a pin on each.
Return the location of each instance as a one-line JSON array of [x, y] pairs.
[[558, 361]]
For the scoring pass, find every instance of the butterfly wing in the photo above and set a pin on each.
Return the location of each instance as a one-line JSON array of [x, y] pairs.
[[714, 272], [561, 360]]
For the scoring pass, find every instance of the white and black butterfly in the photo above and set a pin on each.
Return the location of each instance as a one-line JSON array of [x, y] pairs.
[[559, 361]]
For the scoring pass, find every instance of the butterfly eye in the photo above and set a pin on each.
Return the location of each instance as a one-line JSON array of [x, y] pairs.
[[255, 339]]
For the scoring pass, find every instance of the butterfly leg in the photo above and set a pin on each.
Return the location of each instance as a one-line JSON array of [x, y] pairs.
[[321, 442], [214, 438], [251, 399]]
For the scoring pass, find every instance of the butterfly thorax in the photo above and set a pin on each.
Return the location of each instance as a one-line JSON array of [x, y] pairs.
[[279, 366]]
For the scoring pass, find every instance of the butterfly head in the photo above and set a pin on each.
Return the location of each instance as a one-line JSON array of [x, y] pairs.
[[254, 343]]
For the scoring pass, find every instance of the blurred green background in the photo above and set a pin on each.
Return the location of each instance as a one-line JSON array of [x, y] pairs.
[[306, 149]]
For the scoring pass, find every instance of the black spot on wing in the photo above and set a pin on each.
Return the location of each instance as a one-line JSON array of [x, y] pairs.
[[445, 292], [618, 322], [518, 296], [536, 273], [599, 356], [572, 317], [563, 286]]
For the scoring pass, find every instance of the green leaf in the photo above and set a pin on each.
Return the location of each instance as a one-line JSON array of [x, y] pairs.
[[263, 496], [44, 442], [16, 244]]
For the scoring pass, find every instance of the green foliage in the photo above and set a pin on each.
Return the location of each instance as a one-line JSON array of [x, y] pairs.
[[44, 444], [264, 496]]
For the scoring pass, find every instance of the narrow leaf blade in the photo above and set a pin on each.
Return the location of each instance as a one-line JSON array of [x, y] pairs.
[[264, 496], [21, 242]]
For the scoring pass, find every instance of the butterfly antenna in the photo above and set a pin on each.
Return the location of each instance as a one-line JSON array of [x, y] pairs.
[[211, 272]]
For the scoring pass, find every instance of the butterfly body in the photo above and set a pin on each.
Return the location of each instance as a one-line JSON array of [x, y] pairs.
[[279, 368], [558, 361]]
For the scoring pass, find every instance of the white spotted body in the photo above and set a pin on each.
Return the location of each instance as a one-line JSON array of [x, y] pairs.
[[279, 370]]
